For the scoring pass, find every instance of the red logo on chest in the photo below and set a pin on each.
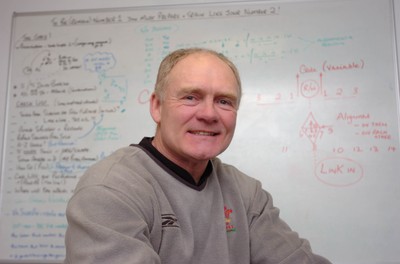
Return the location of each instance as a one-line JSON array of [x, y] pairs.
[[228, 225]]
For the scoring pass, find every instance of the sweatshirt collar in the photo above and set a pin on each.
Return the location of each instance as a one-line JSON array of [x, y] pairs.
[[178, 172]]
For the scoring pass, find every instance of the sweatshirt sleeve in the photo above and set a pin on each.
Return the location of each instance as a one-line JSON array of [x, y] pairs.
[[271, 239], [105, 226]]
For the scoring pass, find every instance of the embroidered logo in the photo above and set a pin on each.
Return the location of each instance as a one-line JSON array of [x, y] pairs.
[[169, 220], [229, 227]]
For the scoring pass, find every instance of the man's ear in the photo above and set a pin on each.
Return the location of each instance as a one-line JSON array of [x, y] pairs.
[[155, 108]]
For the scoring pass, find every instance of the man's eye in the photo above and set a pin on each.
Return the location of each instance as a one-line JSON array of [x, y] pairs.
[[225, 102], [189, 99]]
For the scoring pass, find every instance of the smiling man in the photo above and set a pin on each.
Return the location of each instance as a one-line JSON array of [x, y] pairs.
[[169, 199], [196, 111]]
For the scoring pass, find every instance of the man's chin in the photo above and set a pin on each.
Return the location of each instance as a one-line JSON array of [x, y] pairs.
[[205, 156]]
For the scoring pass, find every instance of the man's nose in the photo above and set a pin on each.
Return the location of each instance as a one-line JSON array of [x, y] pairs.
[[208, 111]]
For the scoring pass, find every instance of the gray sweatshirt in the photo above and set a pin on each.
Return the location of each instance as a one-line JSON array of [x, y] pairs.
[[132, 208]]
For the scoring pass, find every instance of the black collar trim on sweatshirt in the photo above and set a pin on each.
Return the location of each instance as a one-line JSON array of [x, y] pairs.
[[178, 172]]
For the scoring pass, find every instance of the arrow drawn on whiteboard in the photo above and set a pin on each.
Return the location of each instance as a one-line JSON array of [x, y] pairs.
[[95, 124]]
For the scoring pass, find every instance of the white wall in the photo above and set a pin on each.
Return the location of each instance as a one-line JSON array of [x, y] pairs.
[[8, 7]]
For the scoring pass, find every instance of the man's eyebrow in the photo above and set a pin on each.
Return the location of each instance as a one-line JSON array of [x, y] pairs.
[[231, 96], [187, 90], [220, 94], [228, 95]]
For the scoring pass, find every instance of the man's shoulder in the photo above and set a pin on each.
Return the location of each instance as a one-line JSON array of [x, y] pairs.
[[230, 175], [229, 171], [122, 168]]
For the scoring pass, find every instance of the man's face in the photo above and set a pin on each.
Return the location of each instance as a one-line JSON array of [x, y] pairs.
[[197, 117]]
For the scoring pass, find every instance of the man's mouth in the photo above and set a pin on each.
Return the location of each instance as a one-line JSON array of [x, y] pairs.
[[203, 133]]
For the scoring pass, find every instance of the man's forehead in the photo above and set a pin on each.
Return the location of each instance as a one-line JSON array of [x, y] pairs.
[[201, 61]]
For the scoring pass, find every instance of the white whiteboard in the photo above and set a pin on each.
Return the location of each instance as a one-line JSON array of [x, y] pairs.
[[318, 124]]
